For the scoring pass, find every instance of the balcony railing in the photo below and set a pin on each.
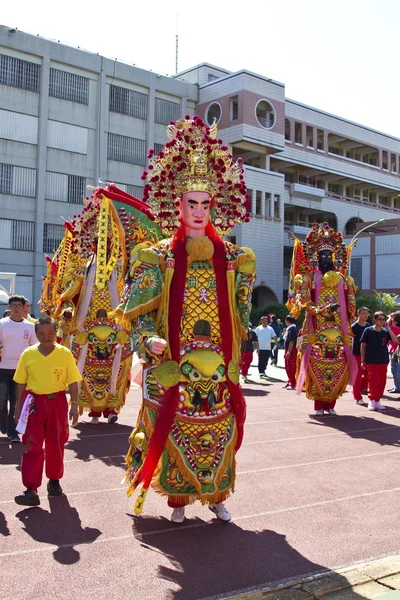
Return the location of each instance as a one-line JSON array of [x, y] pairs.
[[361, 201]]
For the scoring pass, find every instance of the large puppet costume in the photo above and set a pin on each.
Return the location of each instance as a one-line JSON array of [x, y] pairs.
[[189, 300], [319, 284], [83, 286]]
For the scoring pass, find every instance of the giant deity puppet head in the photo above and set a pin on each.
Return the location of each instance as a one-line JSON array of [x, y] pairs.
[[324, 248], [194, 181]]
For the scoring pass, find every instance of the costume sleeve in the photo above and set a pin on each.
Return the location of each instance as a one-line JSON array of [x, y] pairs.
[[245, 277], [144, 284], [73, 375], [21, 373]]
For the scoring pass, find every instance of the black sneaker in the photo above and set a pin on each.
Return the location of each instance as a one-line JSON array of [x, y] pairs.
[[28, 498], [54, 488], [3, 427], [14, 438]]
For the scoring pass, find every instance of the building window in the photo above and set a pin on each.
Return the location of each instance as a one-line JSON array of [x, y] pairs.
[[277, 206], [166, 111], [213, 112], [52, 236], [6, 173], [384, 160], [211, 77], [259, 196], [298, 134], [287, 130], [135, 190], [17, 235], [267, 204], [265, 114], [76, 189], [158, 148], [234, 108], [320, 139], [356, 270], [310, 136], [126, 149], [128, 102], [250, 195], [19, 73], [69, 86]]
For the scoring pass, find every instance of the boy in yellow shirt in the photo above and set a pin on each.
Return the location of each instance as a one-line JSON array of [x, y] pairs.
[[45, 371]]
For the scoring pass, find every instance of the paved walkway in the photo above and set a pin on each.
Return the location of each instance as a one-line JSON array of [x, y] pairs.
[[313, 496]]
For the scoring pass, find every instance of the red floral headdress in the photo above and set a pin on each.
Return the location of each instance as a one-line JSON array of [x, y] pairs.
[[195, 160], [323, 237]]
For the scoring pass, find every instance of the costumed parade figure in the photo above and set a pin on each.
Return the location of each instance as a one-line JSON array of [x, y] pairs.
[[83, 286], [320, 285], [189, 299]]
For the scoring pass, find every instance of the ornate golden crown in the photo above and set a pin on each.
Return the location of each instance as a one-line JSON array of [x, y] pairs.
[[323, 237], [195, 160]]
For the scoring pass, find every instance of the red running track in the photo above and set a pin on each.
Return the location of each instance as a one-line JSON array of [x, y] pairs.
[[311, 494]]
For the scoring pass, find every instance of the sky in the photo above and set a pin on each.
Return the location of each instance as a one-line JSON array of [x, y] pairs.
[[340, 56]]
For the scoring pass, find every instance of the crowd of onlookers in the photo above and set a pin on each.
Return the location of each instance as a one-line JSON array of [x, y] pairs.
[[375, 344]]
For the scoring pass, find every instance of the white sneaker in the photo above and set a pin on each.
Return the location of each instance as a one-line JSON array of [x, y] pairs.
[[112, 418], [332, 412], [178, 515], [95, 420], [290, 387], [379, 406], [371, 405], [220, 511], [362, 403], [319, 413]]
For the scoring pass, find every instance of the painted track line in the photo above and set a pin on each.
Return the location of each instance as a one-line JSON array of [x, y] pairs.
[[309, 437], [174, 529]]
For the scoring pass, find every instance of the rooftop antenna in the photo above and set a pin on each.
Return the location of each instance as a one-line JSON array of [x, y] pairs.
[[176, 47]]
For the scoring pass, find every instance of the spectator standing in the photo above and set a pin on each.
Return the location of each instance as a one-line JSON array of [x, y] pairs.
[[248, 347], [26, 312], [278, 333], [16, 334], [43, 374], [394, 353], [375, 356], [265, 335], [290, 338], [358, 327]]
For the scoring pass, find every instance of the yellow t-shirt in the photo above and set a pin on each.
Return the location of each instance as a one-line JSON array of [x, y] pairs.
[[47, 374]]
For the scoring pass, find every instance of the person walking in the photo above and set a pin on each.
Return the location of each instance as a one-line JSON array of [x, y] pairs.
[[273, 322], [43, 374], [265, 335], [361, 382], [394, 354], [290, 338], [16, 334], [375, 358], [248, 347]]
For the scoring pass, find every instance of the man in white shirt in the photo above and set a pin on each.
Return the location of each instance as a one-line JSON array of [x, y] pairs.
[[16, 334], [265, 335]]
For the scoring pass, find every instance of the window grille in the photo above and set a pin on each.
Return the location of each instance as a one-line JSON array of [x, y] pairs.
[[166, 111], [22, 235], [158, 148], [76, 189], [19, 73], [128, 102], [135, 190], [6, 173], [126, 149], [52, 236], [356, 270], [69, 86], [277, 204]]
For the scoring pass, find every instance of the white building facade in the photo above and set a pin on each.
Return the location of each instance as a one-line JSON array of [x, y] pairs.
[[69, 117]]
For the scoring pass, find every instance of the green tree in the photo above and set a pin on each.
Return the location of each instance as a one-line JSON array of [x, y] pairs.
[[378, 301]]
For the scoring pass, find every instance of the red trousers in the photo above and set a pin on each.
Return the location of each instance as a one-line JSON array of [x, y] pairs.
[[246, 359], [106, 412], [361, 382], [48, 424], [290, 366], [320, 405], [376, 381]]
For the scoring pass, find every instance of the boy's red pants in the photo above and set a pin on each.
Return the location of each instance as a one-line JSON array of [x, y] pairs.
[[361, 382], [290, 366], [376, 381], [246, 358], [48, 425]]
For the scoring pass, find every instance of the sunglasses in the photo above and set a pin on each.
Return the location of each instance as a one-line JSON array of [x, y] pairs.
[[380, 319]]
